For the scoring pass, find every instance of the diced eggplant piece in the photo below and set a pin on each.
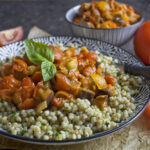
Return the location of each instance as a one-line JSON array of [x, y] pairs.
[[86, 93], [47, 84], [50, 98], [47, 99], [110, 91], [119, 20], [45, 95], [101, 101], [41, 106]]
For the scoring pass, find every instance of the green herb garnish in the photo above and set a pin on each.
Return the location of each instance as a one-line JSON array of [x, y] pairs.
[[41, 54], [23, 132], [13, 115], [48, 70]]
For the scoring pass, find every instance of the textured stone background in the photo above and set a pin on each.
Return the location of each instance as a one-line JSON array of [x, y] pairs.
[[48, 14]]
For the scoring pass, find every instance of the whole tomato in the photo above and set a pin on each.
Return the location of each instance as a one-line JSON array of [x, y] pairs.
[[142, 42], [147, 110]]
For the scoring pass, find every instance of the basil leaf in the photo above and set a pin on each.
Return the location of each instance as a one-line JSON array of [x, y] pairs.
[[48, 70], [38, 52]]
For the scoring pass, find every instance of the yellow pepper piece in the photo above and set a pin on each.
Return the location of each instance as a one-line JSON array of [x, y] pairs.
[[72, 63], [103, 6], [99, 81]]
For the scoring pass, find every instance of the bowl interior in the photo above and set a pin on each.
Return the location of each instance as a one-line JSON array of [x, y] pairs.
[[71, 13]]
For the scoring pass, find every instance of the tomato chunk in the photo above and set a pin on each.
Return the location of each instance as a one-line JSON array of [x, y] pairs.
[[19, 65], [27, 104], [110, 80], [89, 70], [37, 76], [58, 54], [9, 82], [28, 88], [70, 52], [6, 94], [11, 35], [91, 56], [62, 82], [27, 82], [58, 102]]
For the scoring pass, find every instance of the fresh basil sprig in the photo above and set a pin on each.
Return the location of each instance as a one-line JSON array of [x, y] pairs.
[[38, 52], [48, 70], [41, 54]]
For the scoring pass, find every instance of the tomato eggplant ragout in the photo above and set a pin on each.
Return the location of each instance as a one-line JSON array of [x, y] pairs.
[[59, 93], [106, 15], [78, 76]]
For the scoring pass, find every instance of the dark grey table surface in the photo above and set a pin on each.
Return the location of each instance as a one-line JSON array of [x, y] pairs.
[[49, 14]]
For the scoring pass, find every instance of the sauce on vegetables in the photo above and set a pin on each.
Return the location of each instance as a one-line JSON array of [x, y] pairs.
[[78, 75]]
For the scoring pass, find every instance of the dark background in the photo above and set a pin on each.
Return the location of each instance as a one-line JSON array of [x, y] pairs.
[[49, 14]]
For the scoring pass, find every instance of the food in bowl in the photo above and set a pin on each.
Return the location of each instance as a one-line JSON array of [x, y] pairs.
[[106, 15], [87, 94]]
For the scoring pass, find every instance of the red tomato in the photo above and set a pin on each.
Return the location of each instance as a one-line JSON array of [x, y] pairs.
[[11, 35], [58, 54], [147, 110], [19, 65], [27, 104], [37, 76], [9, 82], [27, 82], [58, 102], [142, 42], [110, 80], [28, 87], [70, 52], [89, 70], [91, 56]]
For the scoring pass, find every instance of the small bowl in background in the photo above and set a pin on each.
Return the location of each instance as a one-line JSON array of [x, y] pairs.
[[117, 36]]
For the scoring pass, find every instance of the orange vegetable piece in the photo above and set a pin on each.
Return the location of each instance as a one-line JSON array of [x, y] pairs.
[[110, 80], [27, 104], [28, 87], [37, 76], [39, 85], [63, 94], [62, 82], [17, 96], [9, 82], [58, 54], [91, 56], [108, 25], [58, 102], [70, 52], [27, 82], [6, 94], [80, 56], [19, 65], [89, 70], [6, 70], [99, 69]]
